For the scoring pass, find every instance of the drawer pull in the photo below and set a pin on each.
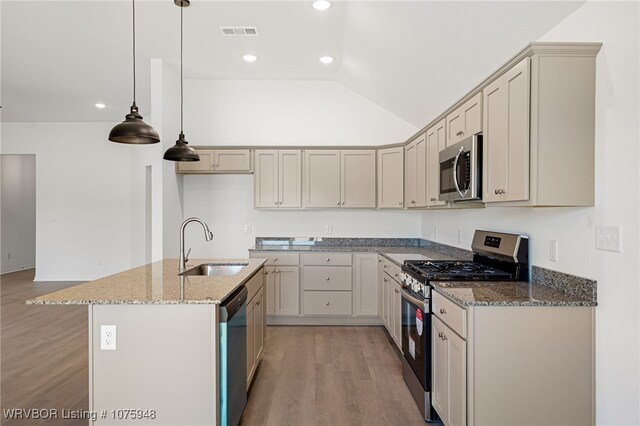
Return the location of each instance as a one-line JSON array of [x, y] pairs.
[[328, 260], [433, 199], [327, 303], [443, 311], [397, 275], [440, 335], [258, 302], [266, 272], [385, 280], [396, 290], [399, 203], [460, 133], [275, 259], [328, 278]]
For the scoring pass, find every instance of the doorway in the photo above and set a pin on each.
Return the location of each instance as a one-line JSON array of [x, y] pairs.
[[17, 212]]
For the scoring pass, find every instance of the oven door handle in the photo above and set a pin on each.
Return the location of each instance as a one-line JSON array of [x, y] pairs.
[[414, 301], [455, 173]]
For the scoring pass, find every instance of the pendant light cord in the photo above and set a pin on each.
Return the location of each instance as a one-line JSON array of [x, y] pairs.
[[134, 50], [181, 78]]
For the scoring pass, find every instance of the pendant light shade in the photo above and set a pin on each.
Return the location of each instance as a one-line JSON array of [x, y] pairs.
[[133, 130], [181, 151]]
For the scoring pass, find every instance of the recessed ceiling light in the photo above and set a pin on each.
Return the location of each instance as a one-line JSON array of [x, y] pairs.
[[249, 57], [326, 59], [100, 105], [321, 4]]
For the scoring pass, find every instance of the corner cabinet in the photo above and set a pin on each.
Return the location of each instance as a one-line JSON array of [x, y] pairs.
[[278, 178], [391, 299], [415, 192], [391, 178], [223, 161], [339, 178]]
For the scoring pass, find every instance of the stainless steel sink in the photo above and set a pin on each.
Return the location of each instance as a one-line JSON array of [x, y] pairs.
[[215, 269]]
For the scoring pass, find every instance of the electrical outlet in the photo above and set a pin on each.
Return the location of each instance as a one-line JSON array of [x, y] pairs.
[[107, 337], [328, 229], [459, 235], [435, 232], [553, 250], [247, 229], [8, 256], [608, 238]]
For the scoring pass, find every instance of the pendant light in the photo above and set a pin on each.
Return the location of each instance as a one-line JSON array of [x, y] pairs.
[[181, 151], [133, 130]]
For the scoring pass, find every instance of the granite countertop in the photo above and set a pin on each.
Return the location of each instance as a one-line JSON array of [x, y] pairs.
[[508, 293], [155, 283], [383, 250]]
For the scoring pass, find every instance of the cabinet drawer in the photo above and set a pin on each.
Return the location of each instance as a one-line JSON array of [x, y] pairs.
[[450, 313], [255, 284], [326, 259], [275, 258], [327, 303], [391, 269], [326, 278]]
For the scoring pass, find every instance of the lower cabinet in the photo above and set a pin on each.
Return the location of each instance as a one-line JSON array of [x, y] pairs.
[[256, 331], [449, 357], [287, 290], [391, 300]]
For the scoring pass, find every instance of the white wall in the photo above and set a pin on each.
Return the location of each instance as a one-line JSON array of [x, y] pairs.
[[18, 225], [288, 112], [617, 203], [89, 216], [280, 113]]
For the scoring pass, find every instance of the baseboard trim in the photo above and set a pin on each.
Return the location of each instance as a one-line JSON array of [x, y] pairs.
[[319, 320], [18, 269], [40, 278]]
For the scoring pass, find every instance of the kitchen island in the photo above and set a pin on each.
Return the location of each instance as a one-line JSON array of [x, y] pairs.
[[163, 365]]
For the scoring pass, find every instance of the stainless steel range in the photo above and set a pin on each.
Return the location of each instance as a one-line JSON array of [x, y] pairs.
[[496, 256]]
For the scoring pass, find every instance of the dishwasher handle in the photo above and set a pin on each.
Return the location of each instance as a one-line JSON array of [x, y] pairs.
[[232, 304]]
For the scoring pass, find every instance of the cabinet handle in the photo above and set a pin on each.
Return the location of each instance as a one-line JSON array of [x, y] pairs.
[[385, 280], [275, 259], [266, 272], [499, 191], [384, 266], [338, 202], [212, 166], [413, 201], [397, 275], [327, 303], [328, 278], [440, 335], [328, 259], [379, 260], [459, 133], [258, 302], [443, 311], [396, 290], [276, 203], [444, 337], [400, 203], [281, 202], [433, 199]]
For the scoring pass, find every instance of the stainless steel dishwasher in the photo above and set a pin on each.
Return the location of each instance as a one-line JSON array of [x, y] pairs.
[[233, 357]]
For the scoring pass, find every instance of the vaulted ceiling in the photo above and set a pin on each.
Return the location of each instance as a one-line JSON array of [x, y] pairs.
[[413, 58]]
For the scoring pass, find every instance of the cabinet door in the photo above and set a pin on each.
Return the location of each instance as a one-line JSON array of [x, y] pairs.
[[436, 142], [410, 175], [290, 178], [322, 178], [366, 284], [465, 121], [397, 312], [391, 178], [258, 322], [250, 340], [358, 178], [457, 351], [386, 305], [287, 290], [506, 136], [421, 171], [266, 178], [270, 289], [204, 165], [440, 368], [232, 160]]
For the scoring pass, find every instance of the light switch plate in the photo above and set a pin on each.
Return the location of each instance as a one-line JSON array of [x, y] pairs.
[[608, 238], [553, 250], [247, 229], [328, 229]]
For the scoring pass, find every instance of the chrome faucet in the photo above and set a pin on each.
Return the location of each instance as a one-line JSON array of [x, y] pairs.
[[208, 236]]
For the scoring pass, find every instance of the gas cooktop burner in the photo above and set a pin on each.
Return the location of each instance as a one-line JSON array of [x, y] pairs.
[[451, 270]]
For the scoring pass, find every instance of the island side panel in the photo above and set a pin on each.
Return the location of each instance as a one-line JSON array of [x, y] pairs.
[[532, 365], [165, 361]]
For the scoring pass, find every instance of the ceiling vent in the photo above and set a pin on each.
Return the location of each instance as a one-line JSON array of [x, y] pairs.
[[239, 31]]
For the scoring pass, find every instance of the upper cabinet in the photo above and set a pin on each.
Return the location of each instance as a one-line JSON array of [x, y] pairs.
[[218, 161], [339, 178], [391, 178], [415, 192], [506, 136], [465, 121], [436, 142], [278, 178]]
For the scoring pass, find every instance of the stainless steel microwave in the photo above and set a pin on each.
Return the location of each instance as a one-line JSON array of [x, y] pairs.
[[460, 170]]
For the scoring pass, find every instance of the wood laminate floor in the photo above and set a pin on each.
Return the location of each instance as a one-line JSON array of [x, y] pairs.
[[330, 376], [308, 376], [44, 358]]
